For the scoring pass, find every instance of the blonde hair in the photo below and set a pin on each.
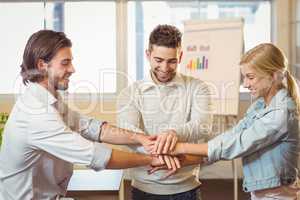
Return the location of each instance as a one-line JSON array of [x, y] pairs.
[[268, 59]]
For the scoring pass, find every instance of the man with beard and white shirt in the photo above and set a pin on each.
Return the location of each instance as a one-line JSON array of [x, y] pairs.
[[43, 138]]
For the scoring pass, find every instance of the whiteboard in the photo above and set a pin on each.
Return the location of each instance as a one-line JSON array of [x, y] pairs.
[[211, 52]]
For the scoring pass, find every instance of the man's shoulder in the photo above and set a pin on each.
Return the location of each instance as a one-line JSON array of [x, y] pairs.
[[192, 81], [29, 106], [139, 86]]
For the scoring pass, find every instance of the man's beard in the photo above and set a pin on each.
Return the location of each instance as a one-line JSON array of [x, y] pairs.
[[61, 86], [57, 84]]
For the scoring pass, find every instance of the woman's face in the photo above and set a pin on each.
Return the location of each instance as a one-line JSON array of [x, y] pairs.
[[258, 84]]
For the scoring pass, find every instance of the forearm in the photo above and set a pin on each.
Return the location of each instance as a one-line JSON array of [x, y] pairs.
[[187, 160], [114, 135], [122, 160], [194, 149]]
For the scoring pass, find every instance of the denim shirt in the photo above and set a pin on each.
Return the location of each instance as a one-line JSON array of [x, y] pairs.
[[267, 141]]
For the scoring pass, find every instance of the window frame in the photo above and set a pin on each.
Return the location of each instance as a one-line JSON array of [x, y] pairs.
[[295, 66]]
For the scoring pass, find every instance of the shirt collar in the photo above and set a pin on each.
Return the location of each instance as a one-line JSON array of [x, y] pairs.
[[276, 100], [41, 93], [150, 81]]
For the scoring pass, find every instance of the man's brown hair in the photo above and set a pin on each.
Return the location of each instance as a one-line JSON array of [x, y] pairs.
[[166, 36], [43, 45]]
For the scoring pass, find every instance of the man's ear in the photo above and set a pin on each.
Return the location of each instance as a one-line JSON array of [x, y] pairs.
[[180, 56], [42, 66], [148, 53]]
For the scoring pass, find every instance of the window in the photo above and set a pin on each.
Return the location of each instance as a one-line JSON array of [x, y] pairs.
[[145, 15], [295, 44], [14, 34], [92, 29], [298, 35], [90, 25]]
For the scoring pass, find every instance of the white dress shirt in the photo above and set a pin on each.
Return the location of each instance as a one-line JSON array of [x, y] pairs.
[[41, 142]]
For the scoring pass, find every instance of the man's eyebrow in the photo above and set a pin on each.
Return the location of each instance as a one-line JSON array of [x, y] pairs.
[[170, 59], [67, 59]]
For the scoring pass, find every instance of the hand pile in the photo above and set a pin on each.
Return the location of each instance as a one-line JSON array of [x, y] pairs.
[[162, 149]]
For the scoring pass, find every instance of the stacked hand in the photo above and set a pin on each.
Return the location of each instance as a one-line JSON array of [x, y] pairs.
[[165, 142], [166, 162], [160, 146], [148, 142]]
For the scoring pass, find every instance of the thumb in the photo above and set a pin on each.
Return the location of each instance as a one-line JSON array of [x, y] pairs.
[[152, 137]]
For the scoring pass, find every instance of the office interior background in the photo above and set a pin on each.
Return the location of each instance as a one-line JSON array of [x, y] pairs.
[[109, 41]]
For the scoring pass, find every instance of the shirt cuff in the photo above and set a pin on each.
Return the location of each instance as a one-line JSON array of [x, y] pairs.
[[91, 129], [101, 157], [214, 150]]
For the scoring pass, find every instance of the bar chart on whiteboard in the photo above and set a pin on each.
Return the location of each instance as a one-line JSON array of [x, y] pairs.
[[211, 52]]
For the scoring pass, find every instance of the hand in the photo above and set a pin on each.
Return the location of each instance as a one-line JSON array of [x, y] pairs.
[[172, 164], [165, 142], [147, 142], [157, 161]]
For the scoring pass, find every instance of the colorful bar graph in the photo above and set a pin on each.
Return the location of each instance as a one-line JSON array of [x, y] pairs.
[[199, 63]]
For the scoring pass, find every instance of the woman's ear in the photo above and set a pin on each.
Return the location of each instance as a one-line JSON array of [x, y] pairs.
[[277, 76]]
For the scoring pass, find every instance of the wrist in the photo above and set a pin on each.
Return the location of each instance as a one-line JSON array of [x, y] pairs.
[[137, 138], [181, 148], [151, 159]]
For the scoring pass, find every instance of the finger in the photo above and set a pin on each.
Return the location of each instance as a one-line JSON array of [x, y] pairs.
[[161, 144], [154, 169], [167, 144], [161, 159], [177, 162], [168, 162], [157, 143], [149, 146], [152, 152], [151, 143], [150, 149], [173, 164], [152, 137], [173, 144]]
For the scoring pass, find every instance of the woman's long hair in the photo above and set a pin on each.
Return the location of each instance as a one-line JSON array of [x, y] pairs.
[[268, 59]]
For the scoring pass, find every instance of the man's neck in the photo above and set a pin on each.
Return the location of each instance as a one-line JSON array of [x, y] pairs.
[[156, 81], [50, 88]]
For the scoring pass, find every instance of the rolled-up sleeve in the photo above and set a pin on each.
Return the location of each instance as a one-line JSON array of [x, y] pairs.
[[239, 142], [101, 158], [90, 128]]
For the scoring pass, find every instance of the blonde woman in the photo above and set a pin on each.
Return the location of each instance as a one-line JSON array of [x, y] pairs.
[[267, 137]]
